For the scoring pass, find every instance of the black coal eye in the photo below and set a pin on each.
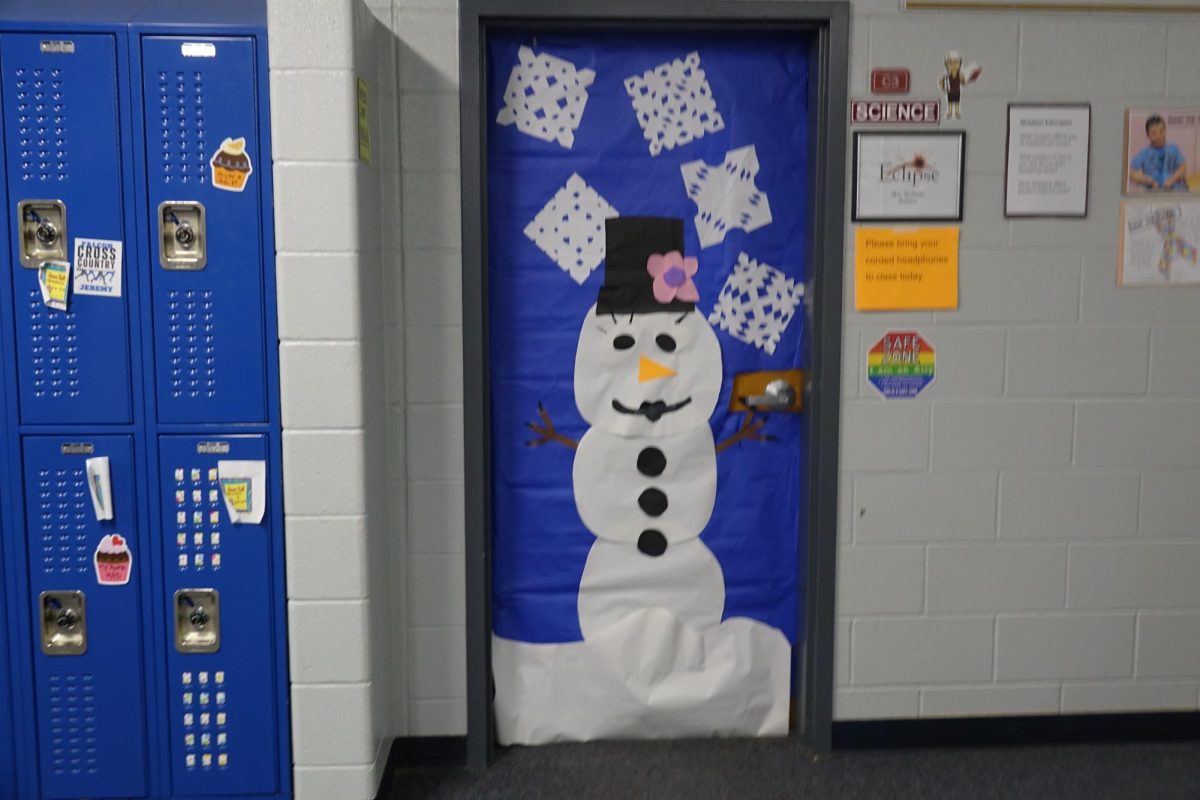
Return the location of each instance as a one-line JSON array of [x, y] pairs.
[[623, 342], [666, 342]]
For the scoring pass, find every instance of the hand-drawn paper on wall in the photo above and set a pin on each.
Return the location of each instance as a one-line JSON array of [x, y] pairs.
[[1159, 241]]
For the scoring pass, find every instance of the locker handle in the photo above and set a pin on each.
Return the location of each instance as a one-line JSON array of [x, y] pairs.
[[182, 236], [197, 621], [64, 623], [43, 232]]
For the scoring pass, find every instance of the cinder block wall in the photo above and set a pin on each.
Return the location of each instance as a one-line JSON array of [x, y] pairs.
[[427, 31], [340, 270], [1016, 541]]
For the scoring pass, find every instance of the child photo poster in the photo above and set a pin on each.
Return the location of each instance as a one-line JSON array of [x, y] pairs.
[[1162, 151]]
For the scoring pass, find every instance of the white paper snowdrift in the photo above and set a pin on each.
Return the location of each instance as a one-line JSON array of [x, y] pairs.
[[648, 676]]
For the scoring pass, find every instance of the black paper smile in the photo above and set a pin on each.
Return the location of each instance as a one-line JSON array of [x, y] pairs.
[[651, 411]]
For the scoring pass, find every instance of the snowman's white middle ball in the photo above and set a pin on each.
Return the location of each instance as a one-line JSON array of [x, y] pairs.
[[616, 355]]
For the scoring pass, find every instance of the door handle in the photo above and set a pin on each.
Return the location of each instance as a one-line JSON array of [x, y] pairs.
[[778, 396]]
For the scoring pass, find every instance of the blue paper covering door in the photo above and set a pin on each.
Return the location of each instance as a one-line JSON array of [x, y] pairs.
[[648, 136]]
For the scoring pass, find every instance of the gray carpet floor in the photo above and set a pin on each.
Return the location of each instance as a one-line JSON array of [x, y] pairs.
[[769, 769]]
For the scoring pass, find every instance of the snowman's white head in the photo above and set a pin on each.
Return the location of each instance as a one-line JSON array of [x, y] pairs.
[[647, 374]]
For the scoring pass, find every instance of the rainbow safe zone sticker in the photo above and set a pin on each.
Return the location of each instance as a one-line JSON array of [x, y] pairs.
[[901, 364]]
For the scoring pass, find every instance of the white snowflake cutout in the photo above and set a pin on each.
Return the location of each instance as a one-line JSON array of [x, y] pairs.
[[725, 195], [545, 97], [570, 228], [756, 303], [674, 103]]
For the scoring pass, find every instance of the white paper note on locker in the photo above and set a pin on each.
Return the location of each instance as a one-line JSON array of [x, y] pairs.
[[99, 481], [244, 488]]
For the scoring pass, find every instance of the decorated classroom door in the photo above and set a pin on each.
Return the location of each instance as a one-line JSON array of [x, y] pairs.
[[647, 257]]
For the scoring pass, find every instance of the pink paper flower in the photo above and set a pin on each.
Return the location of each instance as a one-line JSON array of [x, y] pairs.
[[672, 275]]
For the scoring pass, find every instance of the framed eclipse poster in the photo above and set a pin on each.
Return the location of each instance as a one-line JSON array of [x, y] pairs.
[[908, 177]]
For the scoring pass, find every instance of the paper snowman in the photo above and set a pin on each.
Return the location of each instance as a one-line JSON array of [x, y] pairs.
[[656, 659], [647, 378]]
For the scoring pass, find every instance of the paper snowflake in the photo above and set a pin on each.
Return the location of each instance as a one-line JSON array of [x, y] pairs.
[[725, 195], [545, 97], [674, 103], [570, 228], [756, 303]]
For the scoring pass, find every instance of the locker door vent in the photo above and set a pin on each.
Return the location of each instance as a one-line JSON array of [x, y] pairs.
[[73, 725], [54, 343], [181, 116], [192, 340], [42, 124], [63, 512]]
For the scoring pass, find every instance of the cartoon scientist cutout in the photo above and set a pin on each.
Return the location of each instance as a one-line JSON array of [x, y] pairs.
[[954, 79]]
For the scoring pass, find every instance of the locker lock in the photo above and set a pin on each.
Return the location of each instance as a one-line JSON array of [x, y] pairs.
[[197, 621], [64, 623], [46, 233], [182, 242], [43, 232], [185, 235]]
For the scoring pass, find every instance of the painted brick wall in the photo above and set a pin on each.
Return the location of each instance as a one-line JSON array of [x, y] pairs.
[[339, 266], [1015, 541], [427, 31]]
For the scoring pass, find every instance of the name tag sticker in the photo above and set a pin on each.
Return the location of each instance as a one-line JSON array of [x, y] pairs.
[[198, 50]]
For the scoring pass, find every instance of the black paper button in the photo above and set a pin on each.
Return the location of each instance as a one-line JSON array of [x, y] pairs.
[[652, 543], [651, 461], [653, 502]]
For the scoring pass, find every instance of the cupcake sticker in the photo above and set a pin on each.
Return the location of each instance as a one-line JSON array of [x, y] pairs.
[[113, 561], [231, 166]]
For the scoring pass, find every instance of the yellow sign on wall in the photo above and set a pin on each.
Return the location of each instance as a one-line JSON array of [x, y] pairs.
[[912, 269]]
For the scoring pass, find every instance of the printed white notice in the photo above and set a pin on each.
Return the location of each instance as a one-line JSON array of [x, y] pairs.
[[908, 177], [1047, 170], [98, 267]]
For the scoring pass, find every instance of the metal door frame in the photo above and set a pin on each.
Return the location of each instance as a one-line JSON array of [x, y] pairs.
[[828, 22]]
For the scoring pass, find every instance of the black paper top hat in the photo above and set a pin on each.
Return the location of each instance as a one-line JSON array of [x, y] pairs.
[[629, 242]]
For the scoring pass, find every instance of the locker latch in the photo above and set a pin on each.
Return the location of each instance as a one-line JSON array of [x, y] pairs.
[[43, 226], [197, 621], [64, 623], [183, 243]]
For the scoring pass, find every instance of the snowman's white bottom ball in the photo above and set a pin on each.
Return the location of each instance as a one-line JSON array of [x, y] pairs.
[[618, 579]]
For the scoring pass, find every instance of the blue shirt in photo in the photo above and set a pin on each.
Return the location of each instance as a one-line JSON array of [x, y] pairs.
[[1160, 163]]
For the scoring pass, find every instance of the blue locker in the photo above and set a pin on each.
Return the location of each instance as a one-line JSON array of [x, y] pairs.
[[89, 691], [120, 126], [209, 329], [7, 767], [63, 146], [7, 754], [222, 703]]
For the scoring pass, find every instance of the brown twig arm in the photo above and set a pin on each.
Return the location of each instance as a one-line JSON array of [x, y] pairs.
[[749, 432], [547, 432]]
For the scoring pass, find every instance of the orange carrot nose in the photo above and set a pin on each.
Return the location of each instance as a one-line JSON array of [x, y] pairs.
[[650, 370]]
